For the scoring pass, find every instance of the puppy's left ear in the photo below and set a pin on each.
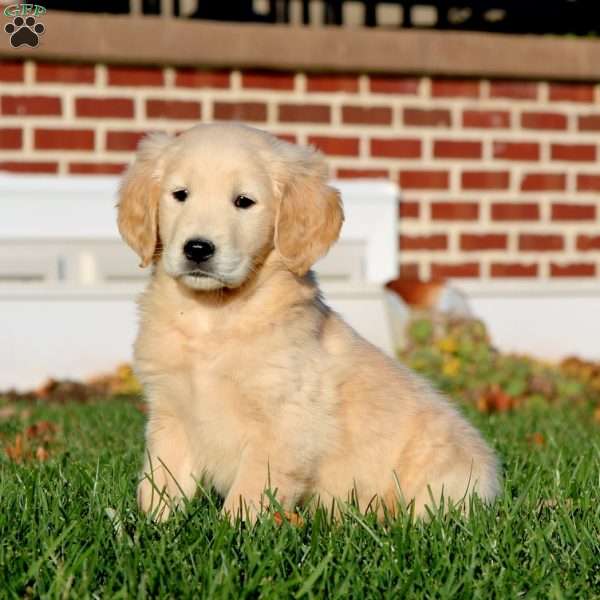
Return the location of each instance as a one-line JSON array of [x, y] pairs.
[[310, 214], [138, 198]]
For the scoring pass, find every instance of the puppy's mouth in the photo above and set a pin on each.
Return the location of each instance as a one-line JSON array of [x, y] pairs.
[[200, 274], [211, 277], [202, 280], [197, 274]]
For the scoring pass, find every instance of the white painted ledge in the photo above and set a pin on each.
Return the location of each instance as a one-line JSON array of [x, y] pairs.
[[547, 319]]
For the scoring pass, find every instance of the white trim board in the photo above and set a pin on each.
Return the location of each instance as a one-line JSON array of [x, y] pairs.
[[547, 319]]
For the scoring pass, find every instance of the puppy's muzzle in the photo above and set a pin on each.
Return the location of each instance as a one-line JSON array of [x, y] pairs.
[[198, 250]]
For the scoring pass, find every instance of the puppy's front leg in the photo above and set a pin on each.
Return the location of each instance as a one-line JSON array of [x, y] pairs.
[[167, 475], [260, 470]]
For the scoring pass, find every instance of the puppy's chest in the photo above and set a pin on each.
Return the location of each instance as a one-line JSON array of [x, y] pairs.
[[217, 380], [212, 399], [226, 387]]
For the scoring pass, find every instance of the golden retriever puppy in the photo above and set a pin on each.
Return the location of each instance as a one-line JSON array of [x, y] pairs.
[[252, 381]]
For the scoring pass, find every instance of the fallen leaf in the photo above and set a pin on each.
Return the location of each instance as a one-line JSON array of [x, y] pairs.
[[502, 402], [15, 451], [495, 400], [42, 454], [293, 518], [482, 404], [552, 503], [41, 429], [33, 443], [536, 439]]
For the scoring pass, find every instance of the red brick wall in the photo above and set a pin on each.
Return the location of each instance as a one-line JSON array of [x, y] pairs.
[[499, 178]]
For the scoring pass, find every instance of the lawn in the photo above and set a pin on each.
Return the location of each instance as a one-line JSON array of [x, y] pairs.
[[69, 526]]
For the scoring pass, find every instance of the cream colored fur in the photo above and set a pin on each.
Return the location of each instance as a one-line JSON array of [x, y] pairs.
[[251, 380]]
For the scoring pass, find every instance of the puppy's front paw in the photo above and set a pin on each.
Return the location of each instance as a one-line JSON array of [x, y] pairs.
[[153, 499], [240, 509]]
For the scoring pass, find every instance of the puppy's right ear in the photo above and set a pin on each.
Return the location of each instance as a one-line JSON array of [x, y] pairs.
[[139, 195]]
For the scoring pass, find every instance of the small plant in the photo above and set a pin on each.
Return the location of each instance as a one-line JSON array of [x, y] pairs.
[[459, 357]]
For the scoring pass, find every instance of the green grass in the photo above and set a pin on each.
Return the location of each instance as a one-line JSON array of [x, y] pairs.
[[541, 539]]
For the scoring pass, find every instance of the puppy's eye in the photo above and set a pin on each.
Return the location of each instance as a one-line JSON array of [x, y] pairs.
[[180, 195], [243, 202]]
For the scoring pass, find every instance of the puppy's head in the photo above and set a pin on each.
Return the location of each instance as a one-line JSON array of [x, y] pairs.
[[214, 202]]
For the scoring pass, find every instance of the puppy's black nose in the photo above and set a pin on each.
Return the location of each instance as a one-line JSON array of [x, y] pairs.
[[198, 250]]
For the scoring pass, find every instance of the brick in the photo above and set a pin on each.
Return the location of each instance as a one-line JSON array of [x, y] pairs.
[[543, 120], [515, 211], [454, 211], [586, 243], [268, 80], [573, 212], [574, 152], [135, 76], [395, 148], [26, 106], [571, 92], [438, 241], [173, 109], [516, 150], [114, 108], [367, 115], [11, 138], [362, 173], [240, 111], [409, 270], [472, 242], [424, 180], [389, 84], [588, 122], [196, 78], [579, 269], [456, 149], [516, 90], [538, 242], [304, 113], [588, 183], [82, 168], [11, 71], [485, 180], [486, 119], [513, 270], [335, 146], [409, 209], [123, 141], [454, 88], [421, 117], [14, 166], [543, 182], [287, 137], [64, 139], [331, 83], [64, 73], [458, 270]]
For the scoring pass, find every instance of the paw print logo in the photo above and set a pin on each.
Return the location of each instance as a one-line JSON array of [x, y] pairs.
[[24, 32]]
